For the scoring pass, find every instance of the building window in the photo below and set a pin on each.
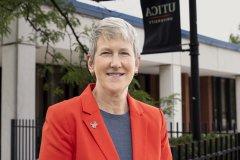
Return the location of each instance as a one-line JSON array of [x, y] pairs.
[[150, 84], [224, 104]]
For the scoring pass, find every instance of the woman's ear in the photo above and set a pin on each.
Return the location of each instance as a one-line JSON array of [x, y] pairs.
[[90, 63]]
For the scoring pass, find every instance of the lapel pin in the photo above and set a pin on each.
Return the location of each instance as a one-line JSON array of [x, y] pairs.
[[94, 124]]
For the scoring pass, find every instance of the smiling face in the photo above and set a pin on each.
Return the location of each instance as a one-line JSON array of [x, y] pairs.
[[113, 64]]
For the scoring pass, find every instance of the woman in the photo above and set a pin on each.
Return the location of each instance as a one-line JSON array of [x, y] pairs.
[[105, 122]]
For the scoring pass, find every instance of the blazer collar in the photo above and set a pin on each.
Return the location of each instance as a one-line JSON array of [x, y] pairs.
[[100, 133], [95, 124], [89, 103], [138, 128]]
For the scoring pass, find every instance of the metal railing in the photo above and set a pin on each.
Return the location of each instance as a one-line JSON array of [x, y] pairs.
[[178, 129], [25, 139], [225, 147]]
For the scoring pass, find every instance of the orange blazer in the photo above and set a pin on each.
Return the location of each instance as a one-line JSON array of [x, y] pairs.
[[74, 130]]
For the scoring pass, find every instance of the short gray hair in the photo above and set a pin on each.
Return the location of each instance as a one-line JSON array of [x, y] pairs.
[[112, 28]]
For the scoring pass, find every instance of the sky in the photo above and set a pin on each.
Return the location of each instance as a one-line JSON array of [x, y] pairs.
[[215, 18]]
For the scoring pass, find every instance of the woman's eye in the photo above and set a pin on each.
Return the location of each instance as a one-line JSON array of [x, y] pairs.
[[105, 53], [124, 53]]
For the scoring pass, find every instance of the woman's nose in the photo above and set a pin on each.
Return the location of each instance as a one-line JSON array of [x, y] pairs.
[[115, 61]]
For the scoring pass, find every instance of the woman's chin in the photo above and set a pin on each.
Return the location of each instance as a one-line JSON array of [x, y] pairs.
[[115, 89]]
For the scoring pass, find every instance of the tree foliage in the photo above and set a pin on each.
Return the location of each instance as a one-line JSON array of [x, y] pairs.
[[40, 14], [235, 38]]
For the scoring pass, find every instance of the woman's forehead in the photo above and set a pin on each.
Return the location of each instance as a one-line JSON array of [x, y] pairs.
[[113, 36]]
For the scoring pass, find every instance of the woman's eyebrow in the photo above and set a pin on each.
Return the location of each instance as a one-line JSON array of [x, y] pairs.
[[125, 49], [105, 49]]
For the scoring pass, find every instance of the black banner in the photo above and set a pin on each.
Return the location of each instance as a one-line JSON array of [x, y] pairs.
[[161, 20]]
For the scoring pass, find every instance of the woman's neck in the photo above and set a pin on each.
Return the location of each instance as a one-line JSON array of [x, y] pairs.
[[111, 103]]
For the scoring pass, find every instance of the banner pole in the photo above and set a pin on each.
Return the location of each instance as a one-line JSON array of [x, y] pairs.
[[194, 52]]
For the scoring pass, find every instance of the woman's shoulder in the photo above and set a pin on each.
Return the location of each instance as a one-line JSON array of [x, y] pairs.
[[150, 110], [153, 115], [66, 107], [147, 107]]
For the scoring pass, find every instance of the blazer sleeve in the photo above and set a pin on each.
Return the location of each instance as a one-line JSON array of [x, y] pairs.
[[166, 153], [56, 140]]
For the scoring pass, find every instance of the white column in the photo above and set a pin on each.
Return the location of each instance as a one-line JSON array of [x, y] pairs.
[[238, 102], [26, 81], [170, 83], [18, 81]]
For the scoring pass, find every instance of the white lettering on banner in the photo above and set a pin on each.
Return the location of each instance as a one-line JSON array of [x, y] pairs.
[[160, 20], [160, 9]]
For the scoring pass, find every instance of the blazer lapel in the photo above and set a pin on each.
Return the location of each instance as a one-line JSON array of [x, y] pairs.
[[96, 126], [139, 130]]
